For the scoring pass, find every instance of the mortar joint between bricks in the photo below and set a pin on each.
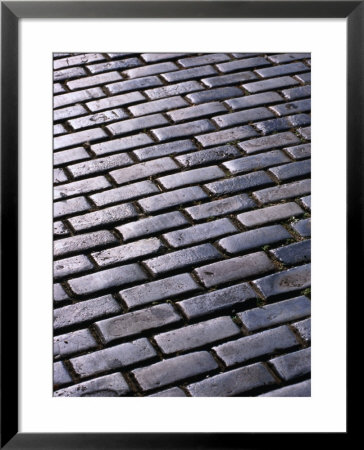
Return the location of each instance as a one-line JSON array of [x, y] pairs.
[[302, 343]]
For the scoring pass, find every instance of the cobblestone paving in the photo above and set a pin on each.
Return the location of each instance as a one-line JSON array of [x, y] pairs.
[[182, 224]]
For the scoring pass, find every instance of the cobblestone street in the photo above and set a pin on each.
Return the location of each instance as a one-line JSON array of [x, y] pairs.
[[182, 224]]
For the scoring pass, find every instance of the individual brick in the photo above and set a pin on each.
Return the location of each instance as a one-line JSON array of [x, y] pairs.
[[115, 101], [249, 101], [81, 137], [211, 95], [159, 290], [99, 118], [234, 269], [59, 229], [303, 227], [173, 89], [58, 89], [302, 389], [249, 240], [306, 201], [143, 170], [222, 299], [183, 130], [293, 365], [282, 192], [256, 345], [182, 259], [125, 143], [59, 176], [83, 242], [292, 107], [195, 112], [85, 311], [152, 225], [120, 64], [267, 85], [238, 118], [211, 58], [295, 279], [173, 198], [233, 382], [240, 183], [171, 370], [242, 64], [172, 392], [74, 342], [107, 279], [71, 155], [136, 322], [288, 57], [199, 233], [127, 252], [299, 120], [60, 375], [197, 335], [133, 85], [299, 151], [71, 266], [98, 165], [304, 77], [137, 124], [94, 80], [168, 149], [221, 207], [244, 55], [304, 329], [270, 214], [71, 206], [292, 254], [68, 112], [276, 313], [157, 106], [273, 125], [66, 74], [212, 155], [80, 187], [225, 136], [189, 74], [117, 357], [297, 92], [156, 57], [254, 162], [194, 176], [268, 142], [103, 217], [77, 97], [284, 69], [125, 193], [77, 60], [112, 385], [150, 69], [292, 170], [224, 80], [59, 294], [305, 133]]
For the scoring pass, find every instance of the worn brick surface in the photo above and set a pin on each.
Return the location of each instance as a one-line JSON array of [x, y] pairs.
[[276, 313], [234, 269], [181, 223], [198, 335], [136, 322], [251, 347], [174, 369], [159, 290], [233, 382]]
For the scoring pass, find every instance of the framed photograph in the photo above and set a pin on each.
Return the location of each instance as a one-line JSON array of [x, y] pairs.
[[157, 191]]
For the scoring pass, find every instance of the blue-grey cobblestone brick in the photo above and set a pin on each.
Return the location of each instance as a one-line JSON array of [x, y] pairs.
[[249, 163], [293, 365], [295, 279], [113, 385], [250, 101], [292, 254]]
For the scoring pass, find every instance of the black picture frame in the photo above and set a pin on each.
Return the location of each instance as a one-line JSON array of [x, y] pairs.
[[11, 12]]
